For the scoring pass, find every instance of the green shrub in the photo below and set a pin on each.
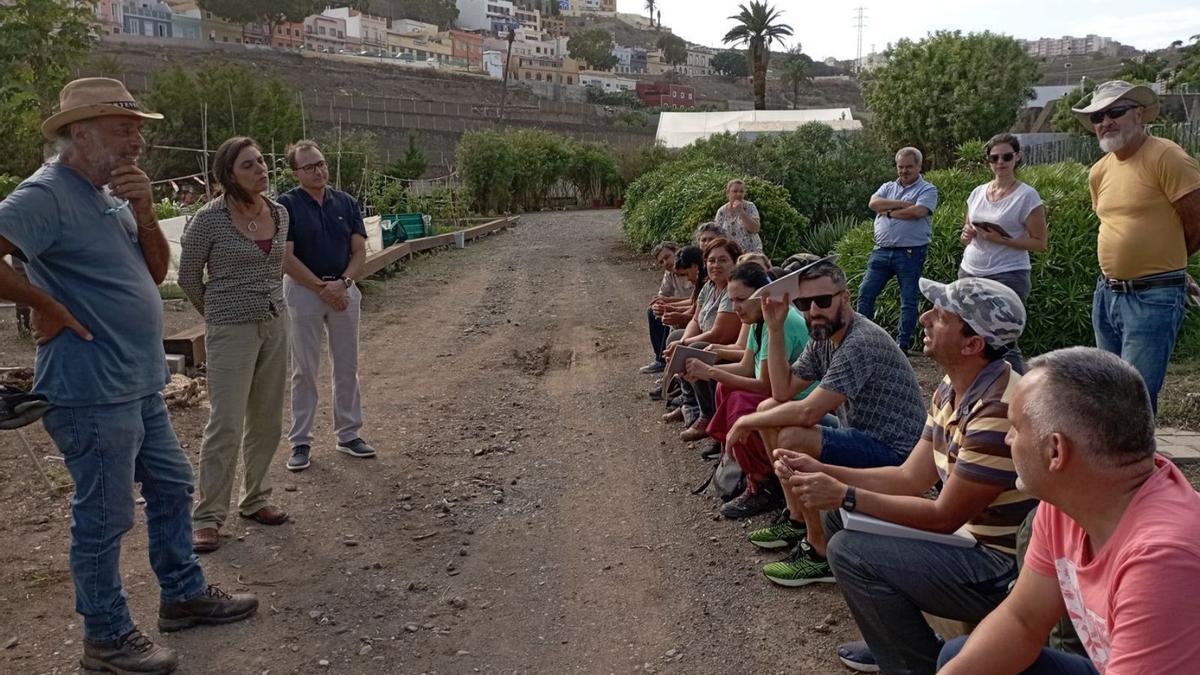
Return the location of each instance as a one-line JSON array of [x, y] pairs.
[[543, 159], [8, 184], [823, 239], [1063, 277], [165, 208], [487, 164], [669, 202]]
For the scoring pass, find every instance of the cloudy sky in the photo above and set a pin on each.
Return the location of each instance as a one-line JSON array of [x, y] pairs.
[[826, 27]]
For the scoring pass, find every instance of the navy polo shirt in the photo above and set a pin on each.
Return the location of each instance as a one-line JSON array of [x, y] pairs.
[[321, 232]]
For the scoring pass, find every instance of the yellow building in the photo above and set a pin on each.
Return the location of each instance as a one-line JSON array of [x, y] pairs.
[[551, 70]]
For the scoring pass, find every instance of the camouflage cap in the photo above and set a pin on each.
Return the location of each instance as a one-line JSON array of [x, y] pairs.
[[991, 309]]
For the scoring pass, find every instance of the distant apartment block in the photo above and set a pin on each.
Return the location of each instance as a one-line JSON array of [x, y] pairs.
[[630, 60], [1071, 46], [146, 18], [588, 5], [490, 15], [324, 32], [466, 47], [655, 94], [362, 30], [608, 84], [547, 70]]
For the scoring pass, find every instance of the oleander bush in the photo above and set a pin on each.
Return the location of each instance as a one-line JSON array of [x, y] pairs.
[[669, 202], [1063, 277]]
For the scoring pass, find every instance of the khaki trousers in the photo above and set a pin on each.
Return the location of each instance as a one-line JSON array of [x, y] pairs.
[[247, 364]]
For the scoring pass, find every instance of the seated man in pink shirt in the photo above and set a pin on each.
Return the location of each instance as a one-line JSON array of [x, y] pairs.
[[1114, 545]]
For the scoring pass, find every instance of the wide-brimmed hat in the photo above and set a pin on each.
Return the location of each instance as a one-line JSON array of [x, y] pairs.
[[1112, 91], [91, 97]]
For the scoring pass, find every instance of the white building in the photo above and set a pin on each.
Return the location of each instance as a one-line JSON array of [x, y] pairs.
[[1071, 46], [678, 130], [493, 63], [411, 26], [489, 15], [609, 84], [369, 32]]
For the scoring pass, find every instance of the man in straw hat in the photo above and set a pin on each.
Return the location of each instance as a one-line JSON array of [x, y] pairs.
[[84, 224], [1146, 193]]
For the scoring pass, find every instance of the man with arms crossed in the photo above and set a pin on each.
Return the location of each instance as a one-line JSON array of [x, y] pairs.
[[327, 245], [1114, 543]]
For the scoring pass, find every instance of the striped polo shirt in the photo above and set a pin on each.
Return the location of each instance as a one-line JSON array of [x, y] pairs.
[[968, 440]]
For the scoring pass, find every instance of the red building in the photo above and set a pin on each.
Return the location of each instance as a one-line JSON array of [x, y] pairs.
[[467, 47], [655, 94]]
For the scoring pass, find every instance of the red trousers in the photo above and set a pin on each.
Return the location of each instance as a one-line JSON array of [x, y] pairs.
[[749, 452]]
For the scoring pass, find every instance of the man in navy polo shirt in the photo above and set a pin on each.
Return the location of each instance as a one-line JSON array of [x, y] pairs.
[[326, 250], [903, 229]]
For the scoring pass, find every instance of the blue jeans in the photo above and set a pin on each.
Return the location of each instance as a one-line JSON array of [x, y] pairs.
[[107, 448], [906, 265], [854, 448], [1049, 662], [658, 334], [889, 581], [1140, 327]]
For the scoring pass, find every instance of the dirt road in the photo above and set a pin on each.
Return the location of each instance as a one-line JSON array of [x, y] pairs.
[[528, 512]]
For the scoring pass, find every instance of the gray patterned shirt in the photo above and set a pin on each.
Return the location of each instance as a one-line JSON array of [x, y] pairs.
[[244, 284], [883, 397]]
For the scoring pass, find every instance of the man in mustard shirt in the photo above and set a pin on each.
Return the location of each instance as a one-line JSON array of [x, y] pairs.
[[1146, 193]]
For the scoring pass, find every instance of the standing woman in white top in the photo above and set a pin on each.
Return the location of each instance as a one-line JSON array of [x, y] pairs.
[[1005, 221], [739, 218]]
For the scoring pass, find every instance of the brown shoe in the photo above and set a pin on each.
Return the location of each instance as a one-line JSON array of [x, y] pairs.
[[213, 606], [695, 432], [268, 515], [206, 540], [675, 415], [130, 653]]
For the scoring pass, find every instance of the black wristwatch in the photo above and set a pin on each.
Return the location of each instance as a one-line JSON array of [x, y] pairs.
[[849, 501], [888, 213]]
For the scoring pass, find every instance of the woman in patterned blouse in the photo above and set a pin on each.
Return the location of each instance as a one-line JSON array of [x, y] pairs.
[[240, 240], [739, 218]]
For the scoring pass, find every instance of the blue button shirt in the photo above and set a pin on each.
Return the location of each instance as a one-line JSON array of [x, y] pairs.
[[85, 253], [321, 232], [900, 233]]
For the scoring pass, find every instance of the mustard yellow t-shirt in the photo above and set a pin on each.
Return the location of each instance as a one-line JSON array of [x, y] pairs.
[[1140, 231]]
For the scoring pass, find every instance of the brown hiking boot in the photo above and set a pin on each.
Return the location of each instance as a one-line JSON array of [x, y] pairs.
[[129, 654], [212, 606], [206, 540]]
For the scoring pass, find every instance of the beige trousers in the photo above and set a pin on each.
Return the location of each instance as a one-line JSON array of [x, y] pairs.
[[247, 366]]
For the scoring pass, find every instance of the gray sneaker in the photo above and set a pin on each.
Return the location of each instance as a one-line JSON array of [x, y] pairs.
[[299, 459], [130, 653], [356, 448]]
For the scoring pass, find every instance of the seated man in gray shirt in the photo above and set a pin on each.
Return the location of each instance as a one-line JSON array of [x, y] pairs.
[[866, 381]]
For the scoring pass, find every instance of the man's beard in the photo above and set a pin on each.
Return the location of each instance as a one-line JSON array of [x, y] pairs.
[[824, 331], [1115, 143], [105, 161]]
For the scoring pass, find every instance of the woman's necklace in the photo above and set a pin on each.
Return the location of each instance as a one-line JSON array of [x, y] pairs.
[[253, 225], [997, 191]]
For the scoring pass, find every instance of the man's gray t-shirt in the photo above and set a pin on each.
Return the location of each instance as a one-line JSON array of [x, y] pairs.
[[82, 250], [883, 397]]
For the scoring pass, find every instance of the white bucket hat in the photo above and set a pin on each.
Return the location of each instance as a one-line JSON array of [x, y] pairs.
[[1112, 91]]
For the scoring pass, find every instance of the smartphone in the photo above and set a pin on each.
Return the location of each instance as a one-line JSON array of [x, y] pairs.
[[992, 227]]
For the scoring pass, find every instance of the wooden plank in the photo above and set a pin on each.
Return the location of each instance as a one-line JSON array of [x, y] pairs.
[[188, 342], [391, 254], [387, 256]]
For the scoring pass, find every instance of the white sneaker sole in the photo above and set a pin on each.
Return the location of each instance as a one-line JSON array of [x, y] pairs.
[[347, 451], [797, 583], [859, 667], [779, 543], [299, 468]]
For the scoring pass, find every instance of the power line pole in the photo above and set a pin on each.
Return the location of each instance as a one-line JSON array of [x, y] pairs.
[[860, 21]]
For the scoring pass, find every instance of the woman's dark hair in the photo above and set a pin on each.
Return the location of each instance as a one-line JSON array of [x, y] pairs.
[[750, 275], [225, 161], [1003, 139], [688, 257], [731, 247]]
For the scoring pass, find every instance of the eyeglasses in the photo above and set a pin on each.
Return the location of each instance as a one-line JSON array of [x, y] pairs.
[[1111, 113], [310, 168], [113, 209], [1007, 157], [822, 301]]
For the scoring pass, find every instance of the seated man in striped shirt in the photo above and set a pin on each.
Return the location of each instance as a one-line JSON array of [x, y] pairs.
[[889, 581]]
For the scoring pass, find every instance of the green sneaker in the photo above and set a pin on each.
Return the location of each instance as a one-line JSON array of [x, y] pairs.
[[782, 533], [801, 568]]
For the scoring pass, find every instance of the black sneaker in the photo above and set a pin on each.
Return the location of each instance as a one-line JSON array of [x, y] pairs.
[[299, 460], [130, 653], [857, 656], [210, 607], [19, 408], [356, 448], [711, 450], [767, 497]]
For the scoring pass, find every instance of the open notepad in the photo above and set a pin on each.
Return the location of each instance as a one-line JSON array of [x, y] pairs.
[[788, 285], [860, 522], [678, 363]]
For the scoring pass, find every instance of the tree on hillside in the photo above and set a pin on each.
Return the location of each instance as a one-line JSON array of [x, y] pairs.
[[270, 13], [651, 5], [948, 89], [1064, 120], [795, 72], [411, 166], [439, 12], [1187, 71], [757, 27], [594, 47], [41, 43], [1144, 68], [674, 49], [731, 63]]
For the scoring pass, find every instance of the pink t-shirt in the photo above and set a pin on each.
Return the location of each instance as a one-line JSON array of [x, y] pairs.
[[1136, 602]]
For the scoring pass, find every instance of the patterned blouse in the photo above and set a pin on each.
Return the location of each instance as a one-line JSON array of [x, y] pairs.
[[736, 229], [244, 284]]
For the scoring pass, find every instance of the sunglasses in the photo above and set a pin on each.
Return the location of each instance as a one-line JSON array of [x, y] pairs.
[[1111, 113], [822, 301], [1007, 157]]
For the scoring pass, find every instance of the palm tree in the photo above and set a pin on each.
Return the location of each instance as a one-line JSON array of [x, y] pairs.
[[795, 72], [757, 29], [651, 5]]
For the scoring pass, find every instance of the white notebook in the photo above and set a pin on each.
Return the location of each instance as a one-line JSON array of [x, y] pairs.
[[860, 522], [678, 363]]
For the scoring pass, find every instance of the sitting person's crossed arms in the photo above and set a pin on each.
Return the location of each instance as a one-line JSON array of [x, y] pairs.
[[864, 379]]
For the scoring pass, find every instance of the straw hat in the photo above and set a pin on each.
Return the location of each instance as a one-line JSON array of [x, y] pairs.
[[91, 97], [1112, 91]]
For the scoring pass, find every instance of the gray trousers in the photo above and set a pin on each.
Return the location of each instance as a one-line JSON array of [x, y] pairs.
[[889, 581], [311, 318]]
